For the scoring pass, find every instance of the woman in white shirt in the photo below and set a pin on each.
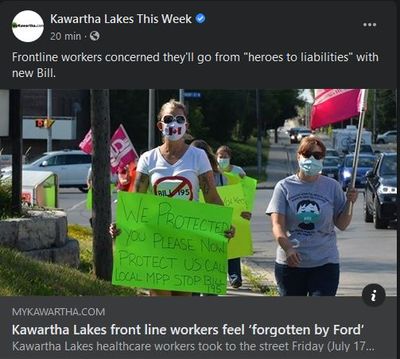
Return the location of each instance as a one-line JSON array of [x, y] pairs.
[[175, 169]]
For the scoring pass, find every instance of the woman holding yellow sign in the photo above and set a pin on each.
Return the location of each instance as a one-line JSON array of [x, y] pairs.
[[234, 175], [175, 169]]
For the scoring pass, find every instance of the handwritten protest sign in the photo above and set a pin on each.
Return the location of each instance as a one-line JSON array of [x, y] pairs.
[[171, 244], [241, 245], [249, 185]]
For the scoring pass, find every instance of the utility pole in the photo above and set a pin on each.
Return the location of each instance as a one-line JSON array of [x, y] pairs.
[[259, 144], [151, 124], [16, 135], [374, 118], [102, 242], [182, 95], [49, 115]]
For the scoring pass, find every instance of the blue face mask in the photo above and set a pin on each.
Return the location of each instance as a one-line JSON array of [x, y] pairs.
[[223, 162], [310, 166]]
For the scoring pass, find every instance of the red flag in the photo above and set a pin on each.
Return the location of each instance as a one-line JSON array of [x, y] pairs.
[[334, 105], [122, 151], [86, 144]]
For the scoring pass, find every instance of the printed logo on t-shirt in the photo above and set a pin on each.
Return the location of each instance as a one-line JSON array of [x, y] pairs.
[[308, 213], [174, 186]]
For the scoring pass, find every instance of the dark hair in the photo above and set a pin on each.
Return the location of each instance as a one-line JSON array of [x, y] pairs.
[[225, 149], [308, 142], [207, 149]]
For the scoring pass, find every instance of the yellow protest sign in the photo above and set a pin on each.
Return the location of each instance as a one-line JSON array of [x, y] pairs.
[[249, 185], [232, 178], [241, 245], [171, 244]]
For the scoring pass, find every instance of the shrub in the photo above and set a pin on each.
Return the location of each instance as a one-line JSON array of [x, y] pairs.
[[5, 199], [244, 154]]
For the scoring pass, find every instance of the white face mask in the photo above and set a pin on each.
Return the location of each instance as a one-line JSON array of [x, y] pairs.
[[310, 166], [174, 131], [224, 162]]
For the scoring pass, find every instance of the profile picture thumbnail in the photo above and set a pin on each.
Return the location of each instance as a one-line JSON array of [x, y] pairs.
[[27, 26]]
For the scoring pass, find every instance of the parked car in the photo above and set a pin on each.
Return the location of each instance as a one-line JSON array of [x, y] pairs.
[[70, 166], [331, 152], [387, 137], [365, 163], [363, 148], [331, 166], [381, 191]]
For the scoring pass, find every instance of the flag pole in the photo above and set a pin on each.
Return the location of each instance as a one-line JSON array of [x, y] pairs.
[[358, 143]]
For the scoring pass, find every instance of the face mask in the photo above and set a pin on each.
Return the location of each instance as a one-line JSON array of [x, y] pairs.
[[310, 166], [223, 162], [174, 131]]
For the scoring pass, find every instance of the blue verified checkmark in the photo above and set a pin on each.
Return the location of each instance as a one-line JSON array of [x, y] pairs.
[[200, 18]]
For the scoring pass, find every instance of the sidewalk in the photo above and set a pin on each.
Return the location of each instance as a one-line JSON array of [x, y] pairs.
[[277, 167]]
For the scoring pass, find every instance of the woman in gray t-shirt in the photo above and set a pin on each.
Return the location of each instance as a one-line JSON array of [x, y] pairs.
[[305, 209]]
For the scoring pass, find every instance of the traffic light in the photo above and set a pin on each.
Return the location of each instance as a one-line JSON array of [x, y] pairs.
[[48, 123], [44, 123], [40, 123]]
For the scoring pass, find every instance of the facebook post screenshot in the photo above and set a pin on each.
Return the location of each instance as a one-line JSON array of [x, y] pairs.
[[198, 179]]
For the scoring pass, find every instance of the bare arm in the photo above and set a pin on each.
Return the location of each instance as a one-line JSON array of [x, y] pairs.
[[344, 219], [279, 232], [141, 182], [207, 185]]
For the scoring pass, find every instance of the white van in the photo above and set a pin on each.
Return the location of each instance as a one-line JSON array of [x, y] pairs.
[[70, 166]]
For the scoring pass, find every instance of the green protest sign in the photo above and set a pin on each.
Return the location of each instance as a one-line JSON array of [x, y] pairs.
[[171, 244], [241, 244]]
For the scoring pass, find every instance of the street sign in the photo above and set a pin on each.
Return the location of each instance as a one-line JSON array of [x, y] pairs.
[[192, 94]]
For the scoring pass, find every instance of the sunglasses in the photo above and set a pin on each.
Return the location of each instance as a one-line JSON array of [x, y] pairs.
[[316, 155], [169, 119]]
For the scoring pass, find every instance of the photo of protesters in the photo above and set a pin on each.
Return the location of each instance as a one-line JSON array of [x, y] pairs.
[[304, 237]]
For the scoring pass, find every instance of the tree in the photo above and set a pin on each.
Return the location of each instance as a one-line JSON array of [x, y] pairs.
[[16, 134], [385, 110], [102, 243], [278, 105]]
